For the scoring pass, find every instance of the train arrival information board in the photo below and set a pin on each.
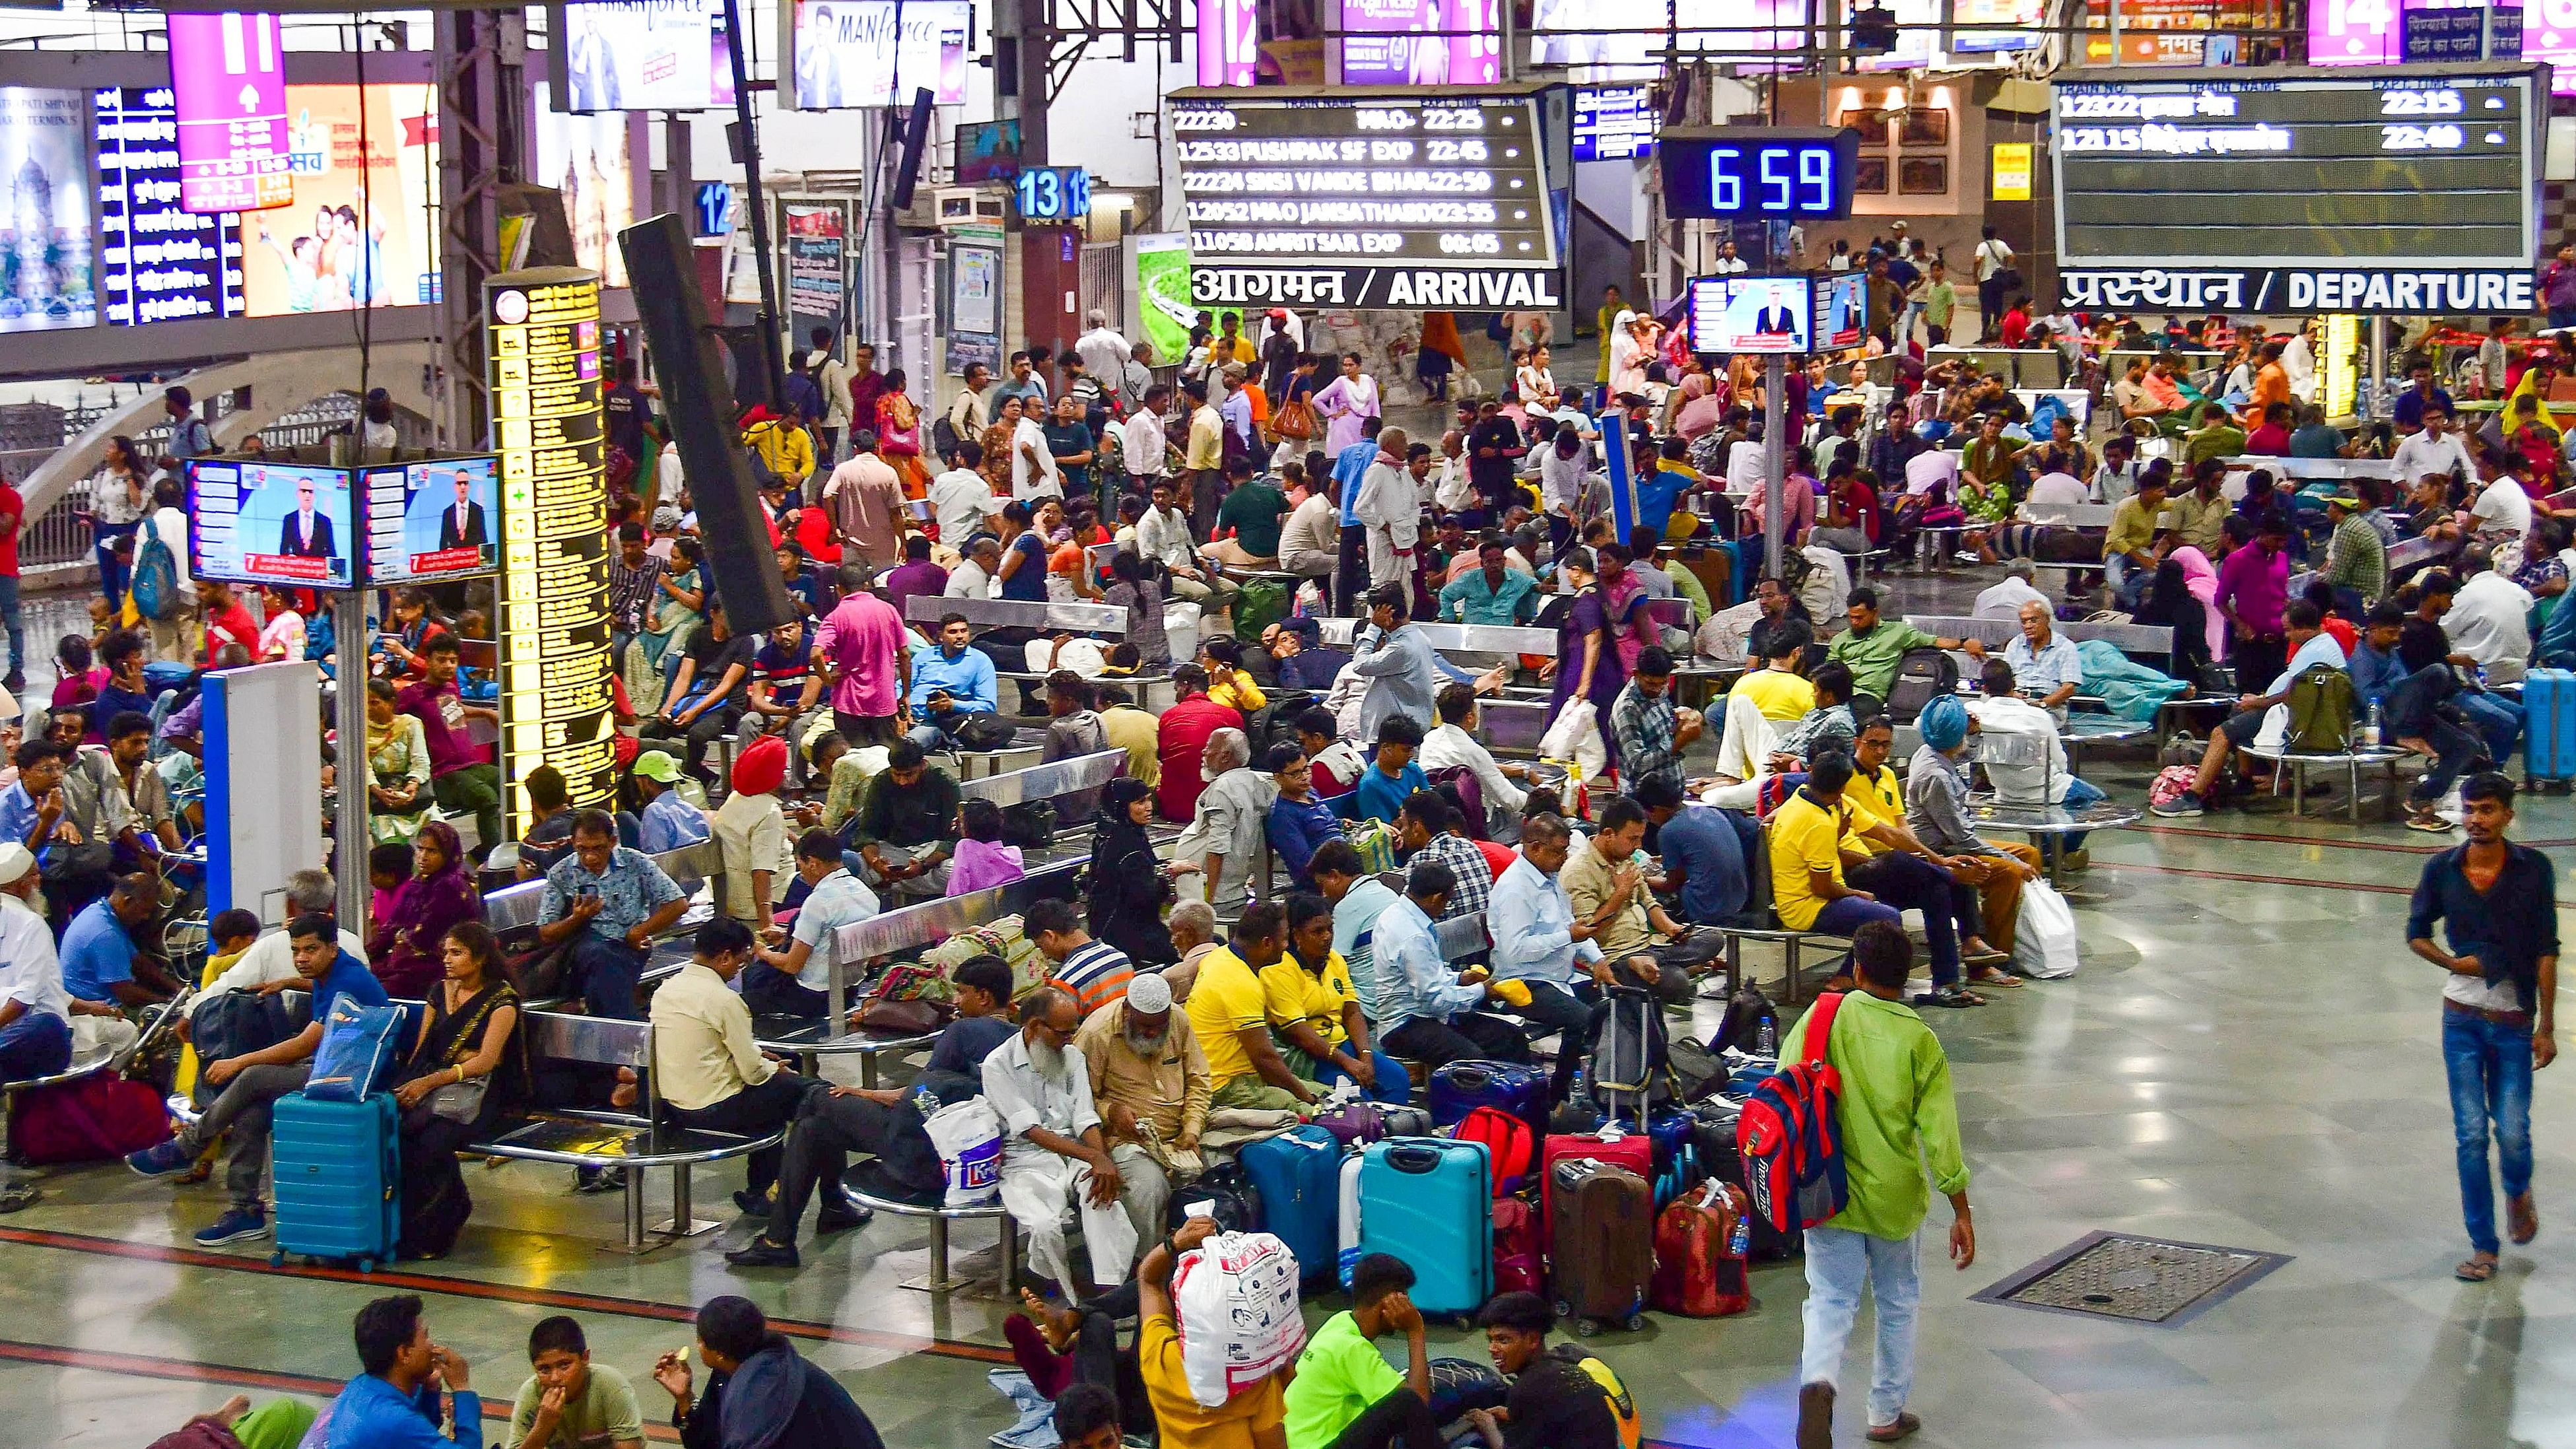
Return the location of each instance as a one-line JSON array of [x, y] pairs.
[[542, 336], [1428, 197], [2404, 190]]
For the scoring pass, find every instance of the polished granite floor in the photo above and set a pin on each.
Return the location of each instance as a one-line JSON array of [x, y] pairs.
[[2248, 1057]]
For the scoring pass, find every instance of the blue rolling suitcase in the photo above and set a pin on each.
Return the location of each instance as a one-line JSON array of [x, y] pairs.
[[338, 1179], [1461, 1087], [1298, 1174], [1429, 1201], [2549, 726]]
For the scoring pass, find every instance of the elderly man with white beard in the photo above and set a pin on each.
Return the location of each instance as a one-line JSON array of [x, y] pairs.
[[1224, 837], [1150, 1082], [1053, 1148]]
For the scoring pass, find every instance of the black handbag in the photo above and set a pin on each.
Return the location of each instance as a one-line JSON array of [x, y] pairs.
[[984, 730], [1030, 825]]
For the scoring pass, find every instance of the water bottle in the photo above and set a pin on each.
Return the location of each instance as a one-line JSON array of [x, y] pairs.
[[1766, 1036], [1582, 1081], [925, 1101], [2370, 735], [1739, 1243]]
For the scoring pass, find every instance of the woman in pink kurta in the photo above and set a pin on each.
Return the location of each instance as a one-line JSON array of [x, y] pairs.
[[1345, 403]]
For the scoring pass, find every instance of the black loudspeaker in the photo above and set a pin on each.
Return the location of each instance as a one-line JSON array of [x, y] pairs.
[[688, 362], [916, 130]]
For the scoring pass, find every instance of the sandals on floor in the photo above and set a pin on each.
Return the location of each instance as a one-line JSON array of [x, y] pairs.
[[2472, 1270], [1955, 996], [1992, 977], [2430, 825]]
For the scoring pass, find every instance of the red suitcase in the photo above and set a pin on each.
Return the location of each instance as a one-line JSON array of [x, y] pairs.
[[1634, 1151]]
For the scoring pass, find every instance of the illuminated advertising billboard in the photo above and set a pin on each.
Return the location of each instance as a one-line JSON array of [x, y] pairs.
[[636, 55], [432, 521], [47, 240], [591, 160], [228, 77], [1421, 42], [158, 261], [541, 334], [288, 524], [359, 233], [849, 54]]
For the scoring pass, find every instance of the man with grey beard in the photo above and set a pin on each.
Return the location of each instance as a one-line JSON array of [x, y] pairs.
[[1151, 1082], [1053, 1148]]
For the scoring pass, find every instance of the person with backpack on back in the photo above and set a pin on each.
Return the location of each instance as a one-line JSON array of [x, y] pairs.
[[2311, 648], [1894, 1117]]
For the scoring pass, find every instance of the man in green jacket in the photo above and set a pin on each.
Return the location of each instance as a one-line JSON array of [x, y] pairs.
[[1897, 1118]]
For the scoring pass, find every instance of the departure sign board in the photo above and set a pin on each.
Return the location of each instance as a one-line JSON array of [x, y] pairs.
[[159, 262], [1446, 198], [542, 338], [2405, 190]]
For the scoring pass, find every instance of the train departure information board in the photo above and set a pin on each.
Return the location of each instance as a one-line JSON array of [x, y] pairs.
[[547, 424], [2404, 190], [1445, 198]]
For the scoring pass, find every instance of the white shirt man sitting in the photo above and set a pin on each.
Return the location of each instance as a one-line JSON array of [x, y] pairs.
[[1053, 1149], [1453, 743]]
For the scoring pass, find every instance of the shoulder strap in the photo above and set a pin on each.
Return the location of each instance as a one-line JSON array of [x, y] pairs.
[[1820, 1027]]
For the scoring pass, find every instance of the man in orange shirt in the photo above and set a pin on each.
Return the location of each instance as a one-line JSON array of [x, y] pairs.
[[2271, 385]]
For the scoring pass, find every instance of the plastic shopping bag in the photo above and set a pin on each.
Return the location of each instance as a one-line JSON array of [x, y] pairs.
[[358, 1046], [1236, 1297], [969, 1138], [2044, 933], [1575, 737]]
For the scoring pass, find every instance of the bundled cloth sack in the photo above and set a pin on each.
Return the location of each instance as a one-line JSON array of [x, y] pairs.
[[2130, 690], [1236, 1299]]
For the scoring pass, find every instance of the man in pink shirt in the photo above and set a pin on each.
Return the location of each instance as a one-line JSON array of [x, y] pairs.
[[862, 643]]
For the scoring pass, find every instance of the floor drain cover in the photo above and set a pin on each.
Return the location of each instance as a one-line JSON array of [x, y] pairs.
[[2141, 1280]]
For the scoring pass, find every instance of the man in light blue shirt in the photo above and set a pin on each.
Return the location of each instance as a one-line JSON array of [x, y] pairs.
[[1539, 943], [957, 676], [1402, 668], [1236, 410], [669, 820], [396, 1403], [1493, 593], [23, 817], [1426, 1010], [798, 980], [2045, 664], [1359, 900]]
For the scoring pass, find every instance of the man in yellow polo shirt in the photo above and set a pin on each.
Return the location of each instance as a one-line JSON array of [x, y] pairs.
[[1806, 835], [1230, 1013], [1315, 1012]]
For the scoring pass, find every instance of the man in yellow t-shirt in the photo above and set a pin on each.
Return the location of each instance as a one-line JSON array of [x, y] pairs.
[[1230, 1013], [1255, 1416], [1782, 694], [1806, 835]]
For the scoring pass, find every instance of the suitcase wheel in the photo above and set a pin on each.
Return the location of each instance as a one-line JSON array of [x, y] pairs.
[[1585, 1328], [277, 1260], [366, 1265], [1636, 1323], [1564, 1309]]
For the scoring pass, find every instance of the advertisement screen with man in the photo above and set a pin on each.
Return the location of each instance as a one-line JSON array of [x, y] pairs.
[[1751, 314], [270, 523], [433, 520]]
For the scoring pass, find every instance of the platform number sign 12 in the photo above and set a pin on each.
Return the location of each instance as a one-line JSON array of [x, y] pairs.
[[1054, 193]]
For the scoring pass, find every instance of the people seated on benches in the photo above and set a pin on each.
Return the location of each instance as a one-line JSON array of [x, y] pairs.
[[1936, 812], [1393, 776], [462, 777], [2488, 618], [2044, 664], [2002, 710], [1074, 729], [1093, 973], [408, 1388], [668, 820], [101, 962], [983, 860], [1703, 850], [1345, 1395], [568, 1402], [1605, 878], [1808, 887], [1053, 1152], [1181, 741], [906, 826], [35, 1011], [1872, 647], [1492, 592], [605, 904], [708, 1070], [1649, 732], [2423, 714], [1452, 744], [796, 981], [2004, 600], [1228, 683], [1883, 856], [1358, 898], [951, 683], [1227, 821], [407, 946], [1830, 726], [1427, 1009], [758, 1390], [1128, 884], [1230, 1013], [252, 1082], [1337, 762], [706, 695], [1741, 633], [1151, 1085], [1299, 824], [2311, 648], [2129, 557], [464, 1071], [1541, 942], [1315, 1012], [980, 987], [1427, 829]]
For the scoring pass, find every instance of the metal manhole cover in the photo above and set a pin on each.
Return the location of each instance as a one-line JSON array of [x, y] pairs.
[[2140, 1280]]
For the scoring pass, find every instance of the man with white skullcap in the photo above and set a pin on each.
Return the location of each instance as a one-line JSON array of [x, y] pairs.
[[1152, 1085], [35, 1011]]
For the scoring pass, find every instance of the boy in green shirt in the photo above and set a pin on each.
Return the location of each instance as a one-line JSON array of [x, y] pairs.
[[1897, 1117], [1346, 1395], [566, 1403]]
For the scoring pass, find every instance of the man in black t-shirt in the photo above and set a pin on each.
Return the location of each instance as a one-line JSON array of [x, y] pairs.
[[1557, 1399], [706, 695], [1494, 448]]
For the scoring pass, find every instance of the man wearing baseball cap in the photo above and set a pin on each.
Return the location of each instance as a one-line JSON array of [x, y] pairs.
[[2356, 556], [669, 820]]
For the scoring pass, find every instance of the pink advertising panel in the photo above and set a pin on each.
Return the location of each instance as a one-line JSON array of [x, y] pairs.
[[228, 76]]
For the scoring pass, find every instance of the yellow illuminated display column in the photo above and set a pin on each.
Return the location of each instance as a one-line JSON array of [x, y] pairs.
[[542, 330]]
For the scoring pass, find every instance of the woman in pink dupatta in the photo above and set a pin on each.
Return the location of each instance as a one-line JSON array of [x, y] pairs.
[[2202, 580]]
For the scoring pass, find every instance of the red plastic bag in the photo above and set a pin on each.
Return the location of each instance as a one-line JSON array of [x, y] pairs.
[[1699, 1270]]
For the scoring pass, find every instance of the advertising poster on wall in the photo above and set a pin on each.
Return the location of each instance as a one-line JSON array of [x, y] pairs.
[[46, 239], [638, 55], [228, 74], [974, 298], [1421, 42], [1163, 293], [359, 233], [590, 159], [817, 236], [157, 262], [848, 54]]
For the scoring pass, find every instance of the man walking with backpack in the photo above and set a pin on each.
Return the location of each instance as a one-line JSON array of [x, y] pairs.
[[1895, 1117]]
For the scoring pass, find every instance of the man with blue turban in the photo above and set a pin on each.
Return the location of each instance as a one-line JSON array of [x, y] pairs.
[[1936, 810]]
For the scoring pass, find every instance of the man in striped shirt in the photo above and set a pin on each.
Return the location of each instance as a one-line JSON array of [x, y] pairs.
[[1093, 973]]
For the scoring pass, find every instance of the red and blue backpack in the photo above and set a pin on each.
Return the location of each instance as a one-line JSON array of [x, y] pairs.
[[1793, 1151]]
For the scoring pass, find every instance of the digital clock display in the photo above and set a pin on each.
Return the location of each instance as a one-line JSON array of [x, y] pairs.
[[1053, 193], [1748, 173]]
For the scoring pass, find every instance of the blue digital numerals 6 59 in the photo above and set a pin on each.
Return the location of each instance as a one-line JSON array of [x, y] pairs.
[[1758, 173]]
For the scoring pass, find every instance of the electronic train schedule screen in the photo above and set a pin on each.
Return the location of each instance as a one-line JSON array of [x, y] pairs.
[[1416, 199], [2404, 190]]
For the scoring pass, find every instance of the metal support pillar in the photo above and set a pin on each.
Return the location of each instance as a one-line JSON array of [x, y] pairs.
[[1775, 460], [747, 151], [2373, 386], [480, 55], [1035, 31], [349, 718]]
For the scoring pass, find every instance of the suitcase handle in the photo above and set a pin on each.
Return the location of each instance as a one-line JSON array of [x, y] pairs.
[[1413, 1157], [1473, 1079]]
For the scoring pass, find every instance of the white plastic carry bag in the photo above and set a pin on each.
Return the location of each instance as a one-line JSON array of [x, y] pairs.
[[2044, 933], [1575, 736], [968, 1136], [1236, 1297]]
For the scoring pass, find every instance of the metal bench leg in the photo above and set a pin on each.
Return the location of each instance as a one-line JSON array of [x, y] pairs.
[[634, 1210], [1010, 1257], [868, 1070], [682, 1223], [940, 1279], [2352, 769]]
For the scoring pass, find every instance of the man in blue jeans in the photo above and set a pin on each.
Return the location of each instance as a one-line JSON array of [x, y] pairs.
[[2498, 904]]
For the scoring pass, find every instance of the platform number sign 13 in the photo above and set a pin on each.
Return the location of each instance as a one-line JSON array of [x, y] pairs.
[[1754, 173], [1054, 193]]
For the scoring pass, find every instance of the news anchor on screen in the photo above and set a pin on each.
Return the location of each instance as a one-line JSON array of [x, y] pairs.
[[1774, 319], [307, 531], [462, 525]]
